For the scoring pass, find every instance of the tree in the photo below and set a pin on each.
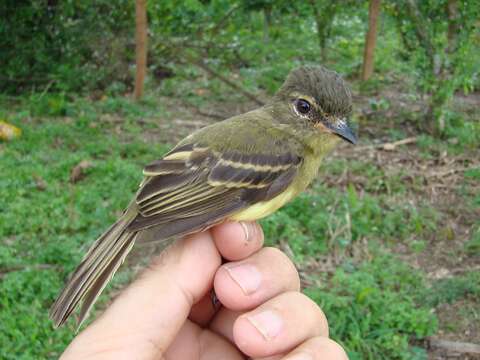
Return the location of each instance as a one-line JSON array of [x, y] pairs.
[[140, 46], [439, 37], [324, 13], [370, 39], [54, 45]]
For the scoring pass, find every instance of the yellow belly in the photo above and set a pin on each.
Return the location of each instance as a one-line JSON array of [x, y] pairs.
[[307, 172], [265, 208]]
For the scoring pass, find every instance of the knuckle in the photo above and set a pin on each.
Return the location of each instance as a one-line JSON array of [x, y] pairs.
[[284, 265], [271, 251], [317, 316], [276, 254], [328, 347], [284, 268]]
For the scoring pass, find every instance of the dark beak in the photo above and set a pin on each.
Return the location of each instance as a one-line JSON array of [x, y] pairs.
[[341, 128]]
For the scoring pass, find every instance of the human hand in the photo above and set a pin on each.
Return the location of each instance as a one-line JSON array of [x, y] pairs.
[[167, 313]]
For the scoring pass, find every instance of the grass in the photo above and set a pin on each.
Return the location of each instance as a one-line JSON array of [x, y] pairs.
[[373, 310], [46, 228], [374, 299]]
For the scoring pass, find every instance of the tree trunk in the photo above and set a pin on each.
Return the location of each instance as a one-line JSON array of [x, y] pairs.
[[435, 115], [140, 46], [370, 39], [324, 16], [421, 30], [453, 25], [267, 20]]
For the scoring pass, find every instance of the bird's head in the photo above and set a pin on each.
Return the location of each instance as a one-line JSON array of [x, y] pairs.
[[319, 102]]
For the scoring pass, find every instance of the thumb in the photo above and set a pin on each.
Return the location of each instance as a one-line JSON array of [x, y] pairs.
[[144, 320]]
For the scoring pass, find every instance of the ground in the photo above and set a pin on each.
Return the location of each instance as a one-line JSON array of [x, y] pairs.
[[386, 241]]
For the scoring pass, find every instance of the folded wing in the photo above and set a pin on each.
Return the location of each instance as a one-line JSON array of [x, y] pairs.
[[194, 187]]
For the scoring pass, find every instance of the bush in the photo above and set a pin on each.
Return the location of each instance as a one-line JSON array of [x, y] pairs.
[[63, 45]]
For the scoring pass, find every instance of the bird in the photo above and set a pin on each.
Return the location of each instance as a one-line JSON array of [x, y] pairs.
[[240, 169]]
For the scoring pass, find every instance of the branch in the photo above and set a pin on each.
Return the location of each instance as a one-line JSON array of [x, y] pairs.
[[25, 80], [453, 26], [224, 19], [227, 81], [140, 46], [388, 146], [455, 346], [210, 115], [421, 30], [13, 268], [370, 39]]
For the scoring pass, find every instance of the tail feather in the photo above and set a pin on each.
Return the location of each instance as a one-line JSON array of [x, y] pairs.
[[102, 281], [94, 272]]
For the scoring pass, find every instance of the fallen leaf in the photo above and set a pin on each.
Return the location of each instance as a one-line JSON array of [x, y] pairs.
[[39, 182], [8, 131], [388, 147], [201, 91], [78, 172]]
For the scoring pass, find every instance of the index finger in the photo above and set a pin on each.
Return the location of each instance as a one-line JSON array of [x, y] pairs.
[[237, 240], [234, 241], [143, 321]]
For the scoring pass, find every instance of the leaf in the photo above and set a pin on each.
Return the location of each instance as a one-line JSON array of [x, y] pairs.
[[364, 293], [78, 172], [40, 183], [8, 131]]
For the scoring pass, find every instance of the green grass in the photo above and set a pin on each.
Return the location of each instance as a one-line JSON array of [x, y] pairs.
[[326, 218], [44, 232], [449, 290], [375, 303], [373, 309]]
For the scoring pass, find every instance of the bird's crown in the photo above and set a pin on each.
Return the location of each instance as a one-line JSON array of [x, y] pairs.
[[325, 86]]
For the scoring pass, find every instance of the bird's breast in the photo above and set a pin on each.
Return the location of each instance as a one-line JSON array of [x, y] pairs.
[[306, 173], [265, 208]]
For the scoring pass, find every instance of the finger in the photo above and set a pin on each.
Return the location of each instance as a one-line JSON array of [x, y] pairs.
[[203, 311], [145, 318], [317, 348], [222, 323], [192, 342], [279, 325], [248, 283], [237, 240], [234, 240]]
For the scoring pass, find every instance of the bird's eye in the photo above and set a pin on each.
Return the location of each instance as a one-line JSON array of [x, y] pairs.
[[302, 106]]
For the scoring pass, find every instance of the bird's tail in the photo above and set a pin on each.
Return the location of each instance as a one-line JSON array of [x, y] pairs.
[[94, 272]]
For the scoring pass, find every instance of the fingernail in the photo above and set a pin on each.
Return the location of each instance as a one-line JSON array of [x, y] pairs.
[[300, 356], [268, 323], [246, 276], [250, 229]]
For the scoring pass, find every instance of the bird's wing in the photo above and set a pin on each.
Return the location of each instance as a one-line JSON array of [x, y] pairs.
[[194, 186]]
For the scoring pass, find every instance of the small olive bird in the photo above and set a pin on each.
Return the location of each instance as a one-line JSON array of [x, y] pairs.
[[243, 169]]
